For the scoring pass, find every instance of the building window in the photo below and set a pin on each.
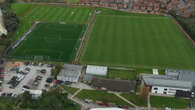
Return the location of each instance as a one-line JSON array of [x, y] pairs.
[[155, 88], [155, 92], [164, 92], [165, 89]]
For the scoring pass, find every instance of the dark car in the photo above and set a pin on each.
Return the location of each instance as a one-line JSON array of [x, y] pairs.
[[27, 69], [50, 65], [49, 80], [38, 78], [35, 64], [43, 71], [26, 87]]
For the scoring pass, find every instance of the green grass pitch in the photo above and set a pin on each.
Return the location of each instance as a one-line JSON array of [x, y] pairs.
[[51, 41], [137, 41], [29, 13]]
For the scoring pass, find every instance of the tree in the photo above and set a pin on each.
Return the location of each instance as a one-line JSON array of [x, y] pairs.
[[144, 92], [55, 71], [26, 99], [11, 21]]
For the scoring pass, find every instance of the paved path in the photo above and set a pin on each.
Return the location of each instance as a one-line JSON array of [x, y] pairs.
[[121, 68], [25, 35], [117, 94], [76, 93], [84, 37], [149, 105]]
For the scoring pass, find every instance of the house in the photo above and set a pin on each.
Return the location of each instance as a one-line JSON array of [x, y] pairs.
[[70, 73], [163, 84]]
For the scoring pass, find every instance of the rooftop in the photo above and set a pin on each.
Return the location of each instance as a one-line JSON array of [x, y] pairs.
[[162, 80], [70, 72], [115, 85]]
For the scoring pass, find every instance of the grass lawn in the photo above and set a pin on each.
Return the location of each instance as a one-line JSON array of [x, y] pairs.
[[20, 8], [70, 89], [58, 14], [24, 26], [103, 96], [73, 1], [161, 102], [121, 74], [29, 13], [51, 42], [149, 71], [138, 41], [135, 99]]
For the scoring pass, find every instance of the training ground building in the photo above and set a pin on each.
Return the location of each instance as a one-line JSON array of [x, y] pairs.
[[93, 70], [70, 73], [169, 84]]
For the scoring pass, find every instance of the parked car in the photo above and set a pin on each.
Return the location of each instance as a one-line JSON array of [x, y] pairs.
[[38, 78], [26, 87], [43, 71], [28, 69], [49, 80], [35, 83]]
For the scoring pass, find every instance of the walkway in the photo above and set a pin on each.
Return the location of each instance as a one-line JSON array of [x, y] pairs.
[[84, 37], [117, 94], [25, 35]]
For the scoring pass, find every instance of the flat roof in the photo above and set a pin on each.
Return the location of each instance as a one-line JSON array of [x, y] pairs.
[[183, 75], [115, 84], [70, 72], [96, 70], [162, 80]]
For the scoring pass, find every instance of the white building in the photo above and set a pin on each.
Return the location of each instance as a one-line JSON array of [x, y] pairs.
[[97, 70], [161, 84], [34, 93], [93, 70]]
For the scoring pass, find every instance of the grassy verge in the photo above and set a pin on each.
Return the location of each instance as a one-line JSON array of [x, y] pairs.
[[161, 102], [101, 96], [135, 99], [73, 1], [121, 74], [70, 89]]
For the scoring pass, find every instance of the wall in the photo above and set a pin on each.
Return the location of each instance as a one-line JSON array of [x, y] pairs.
[[166, 90]]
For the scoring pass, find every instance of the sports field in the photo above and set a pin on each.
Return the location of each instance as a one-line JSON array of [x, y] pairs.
[[137, 41], [52, 13], [51, 42], [29, 13]]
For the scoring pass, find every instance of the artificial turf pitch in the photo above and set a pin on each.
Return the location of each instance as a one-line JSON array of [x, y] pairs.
[[140, 41], [51, 42]]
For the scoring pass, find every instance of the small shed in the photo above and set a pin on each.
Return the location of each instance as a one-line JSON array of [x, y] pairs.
[[96, 70], [36, 93]]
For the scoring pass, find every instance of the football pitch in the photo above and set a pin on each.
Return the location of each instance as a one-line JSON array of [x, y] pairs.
[[50, 42], [137, 41], [29, 13]]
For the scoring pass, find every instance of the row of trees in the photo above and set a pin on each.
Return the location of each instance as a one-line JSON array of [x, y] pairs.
[[11, 21], [187, 23], [52, 100]]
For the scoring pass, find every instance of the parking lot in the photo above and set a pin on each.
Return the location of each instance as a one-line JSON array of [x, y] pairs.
[[20, 76]]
